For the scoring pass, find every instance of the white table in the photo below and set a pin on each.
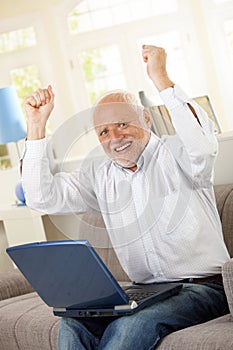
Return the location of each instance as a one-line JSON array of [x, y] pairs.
[[18, 225]]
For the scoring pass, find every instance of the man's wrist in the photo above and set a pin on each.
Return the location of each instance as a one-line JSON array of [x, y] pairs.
[[162, 82], [35, 132]]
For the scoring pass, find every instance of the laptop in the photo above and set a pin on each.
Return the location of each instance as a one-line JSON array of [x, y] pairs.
[[71, 277]]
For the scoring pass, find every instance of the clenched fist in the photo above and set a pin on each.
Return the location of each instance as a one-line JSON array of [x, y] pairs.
[[155, 58], [38, 108]]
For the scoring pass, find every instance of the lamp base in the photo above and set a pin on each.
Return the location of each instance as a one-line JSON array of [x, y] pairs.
[[20, 193]]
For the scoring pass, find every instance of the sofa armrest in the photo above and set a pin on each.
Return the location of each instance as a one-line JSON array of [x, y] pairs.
[[12, 284], [227, 273], [224, 199]]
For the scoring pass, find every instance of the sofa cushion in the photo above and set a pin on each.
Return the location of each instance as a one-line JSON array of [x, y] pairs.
[[13, 283], [27, 323], [213, 335]]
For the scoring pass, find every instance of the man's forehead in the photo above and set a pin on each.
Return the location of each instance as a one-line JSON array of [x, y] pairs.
[[114, 113], [114, 106]]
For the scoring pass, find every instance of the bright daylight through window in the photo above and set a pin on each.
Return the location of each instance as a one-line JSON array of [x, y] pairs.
[[17, 40], [102, 70], [89, 15], [26, 79]]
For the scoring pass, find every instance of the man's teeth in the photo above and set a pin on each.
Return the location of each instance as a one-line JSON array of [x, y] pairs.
[[118, 149]]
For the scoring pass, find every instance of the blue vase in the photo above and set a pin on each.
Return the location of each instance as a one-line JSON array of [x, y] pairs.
[[20, 193]]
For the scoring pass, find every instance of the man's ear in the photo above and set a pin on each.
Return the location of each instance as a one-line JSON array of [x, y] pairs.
[[147, 117]]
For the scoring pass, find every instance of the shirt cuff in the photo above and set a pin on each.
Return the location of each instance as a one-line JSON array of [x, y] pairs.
[[34, 148], [173, 97]]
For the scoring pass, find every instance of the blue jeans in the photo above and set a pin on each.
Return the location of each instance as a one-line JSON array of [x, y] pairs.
[[194, 304]]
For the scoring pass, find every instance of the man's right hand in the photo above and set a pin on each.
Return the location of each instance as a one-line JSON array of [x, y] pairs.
[[38, 108]]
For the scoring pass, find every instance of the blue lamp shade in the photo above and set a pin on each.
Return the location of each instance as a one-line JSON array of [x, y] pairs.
[[12, 124]]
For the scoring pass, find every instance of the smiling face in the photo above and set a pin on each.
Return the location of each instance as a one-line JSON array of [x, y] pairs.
[[122, 129]]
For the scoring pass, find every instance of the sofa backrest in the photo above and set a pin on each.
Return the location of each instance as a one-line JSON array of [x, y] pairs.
[[12, 284], [98, 237]]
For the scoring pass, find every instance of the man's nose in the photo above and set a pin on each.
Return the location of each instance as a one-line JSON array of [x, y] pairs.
[[115, 134]]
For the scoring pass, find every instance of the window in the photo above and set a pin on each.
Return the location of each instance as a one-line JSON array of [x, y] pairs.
[[102, 70], [228, 30], [97, 26], [89, 15], [109, 59], [27, 80], [20, 64], [176, 63], [17, 40], [5, 161]]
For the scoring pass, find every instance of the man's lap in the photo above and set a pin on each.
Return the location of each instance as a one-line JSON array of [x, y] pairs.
[[195, 303]]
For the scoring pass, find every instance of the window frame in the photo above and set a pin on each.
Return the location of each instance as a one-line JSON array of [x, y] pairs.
[[28, 55], [24, 57], [125, 36]]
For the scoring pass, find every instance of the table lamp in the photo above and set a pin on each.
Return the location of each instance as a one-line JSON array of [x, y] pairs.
[[12, 124]]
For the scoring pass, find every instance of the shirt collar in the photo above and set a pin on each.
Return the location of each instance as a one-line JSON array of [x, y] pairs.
[[149, 150]]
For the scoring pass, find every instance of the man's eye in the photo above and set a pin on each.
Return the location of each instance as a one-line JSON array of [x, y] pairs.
[[103, 133], [123, 125]]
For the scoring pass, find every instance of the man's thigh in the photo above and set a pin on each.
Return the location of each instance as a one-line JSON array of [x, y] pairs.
[[195, 303]]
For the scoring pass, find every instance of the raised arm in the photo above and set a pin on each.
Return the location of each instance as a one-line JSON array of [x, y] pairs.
[[192, 125], [155, 57], [59, 193]]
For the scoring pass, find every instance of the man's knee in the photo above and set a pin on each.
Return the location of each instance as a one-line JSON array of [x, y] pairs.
[[74, 335]]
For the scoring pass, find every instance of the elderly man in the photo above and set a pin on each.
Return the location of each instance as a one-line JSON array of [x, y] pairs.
[[156, 197]]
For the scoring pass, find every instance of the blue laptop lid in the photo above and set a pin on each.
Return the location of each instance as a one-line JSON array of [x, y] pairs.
[[68, 274]]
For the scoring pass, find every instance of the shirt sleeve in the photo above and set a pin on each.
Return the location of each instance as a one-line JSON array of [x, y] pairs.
[[198, 138], [60, 193]]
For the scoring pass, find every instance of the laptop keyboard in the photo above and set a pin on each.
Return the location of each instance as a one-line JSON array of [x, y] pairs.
[[138, 296]]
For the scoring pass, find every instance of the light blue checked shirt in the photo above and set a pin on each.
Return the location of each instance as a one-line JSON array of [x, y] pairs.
[[161, 219]]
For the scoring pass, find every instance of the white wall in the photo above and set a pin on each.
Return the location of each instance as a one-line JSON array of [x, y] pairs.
[[8, 180]]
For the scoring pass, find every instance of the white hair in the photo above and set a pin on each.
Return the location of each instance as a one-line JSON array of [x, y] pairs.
[[122, 96]]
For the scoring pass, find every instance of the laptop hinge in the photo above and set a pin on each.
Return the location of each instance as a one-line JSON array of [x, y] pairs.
[[59, 309], [132, 305]]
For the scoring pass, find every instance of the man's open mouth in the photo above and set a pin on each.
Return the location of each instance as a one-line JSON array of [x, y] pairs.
[[122, 148]]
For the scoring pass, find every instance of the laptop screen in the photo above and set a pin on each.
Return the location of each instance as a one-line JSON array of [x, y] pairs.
[[68, 274]]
